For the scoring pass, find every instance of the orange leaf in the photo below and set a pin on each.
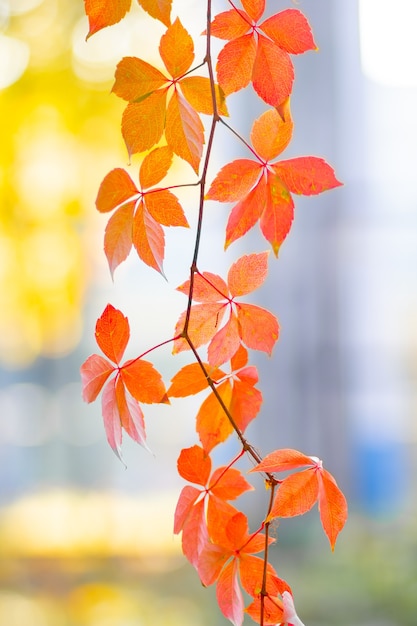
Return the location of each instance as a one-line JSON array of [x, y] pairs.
[[204, 321], [259, 329], [246, 403], [251, 575], [191, 379], [197, 90], [240, 359], [228, 483], [234, 181], [254, 8], [246, 213], [230, 24], [271, 134], [135, 79], [159, 9], [118, 236], [194, 464], [194, 534], [235, 64], [94, 373], [111, 417], [247, 273], [165, 208], [143, 122], [229, 595], [332, 506], [112, 333], [296, 495], [131, 416], [155, 166], [176, 48], [143, 381], [273, 72], [102, 13], [283, 460], [289, 30], [148, 238], [184, 130], [225, 343], [278, 214], [117, 187], [207, 287], [185, 504], [306, 175], [212, 424], [273, 612]]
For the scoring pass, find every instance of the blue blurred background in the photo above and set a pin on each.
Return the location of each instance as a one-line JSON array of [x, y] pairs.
[[84, 541]]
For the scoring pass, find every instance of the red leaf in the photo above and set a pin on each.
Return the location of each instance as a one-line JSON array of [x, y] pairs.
[[296, 495], [246, 213], [225, 343], [112, 333], [306, 175], [207, 287], [283, 460], [289, 30], [194, 534], [131, 416], [273, 72], [246, 402], [102, 13], [278, 213], [235, 64], [94, 373], [259, 329], [229, 595], [143, 381], [234, 181], [112, 423], [118, 236], [186, 501], [117, 187], [230, 24], [332, 506], [203, 325], [247, 273]]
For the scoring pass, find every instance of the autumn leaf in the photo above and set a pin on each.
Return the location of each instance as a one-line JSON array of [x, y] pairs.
[[171, 103], [102, 13], [252, 325], [134, 381], [226, 483], [298, 492], [263, 188], [159, 9], [261, 55], [139, 214]]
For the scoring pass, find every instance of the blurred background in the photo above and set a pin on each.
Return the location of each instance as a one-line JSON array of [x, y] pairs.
[[84, 541]]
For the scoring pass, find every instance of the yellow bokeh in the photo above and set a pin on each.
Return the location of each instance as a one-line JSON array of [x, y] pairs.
[[60, 134]]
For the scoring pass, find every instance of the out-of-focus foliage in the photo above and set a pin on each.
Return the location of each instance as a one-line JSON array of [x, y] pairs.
[[58, 134]]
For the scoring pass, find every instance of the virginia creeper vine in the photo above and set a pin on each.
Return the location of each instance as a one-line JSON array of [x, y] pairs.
[[162, 120]]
